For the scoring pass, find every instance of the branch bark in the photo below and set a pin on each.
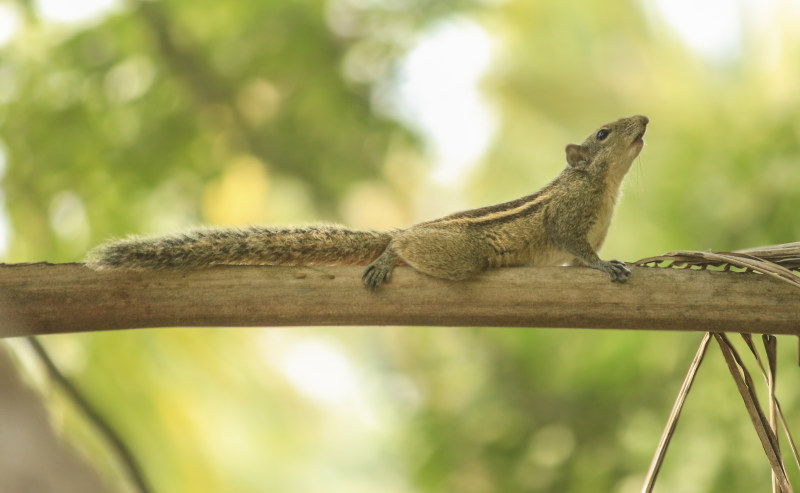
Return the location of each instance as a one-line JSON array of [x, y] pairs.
[[44, 298]]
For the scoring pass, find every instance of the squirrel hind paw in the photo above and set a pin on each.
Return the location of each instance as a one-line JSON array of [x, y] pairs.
[[374, 276]]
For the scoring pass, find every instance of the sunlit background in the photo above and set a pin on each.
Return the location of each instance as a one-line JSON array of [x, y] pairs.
[[138, 116]]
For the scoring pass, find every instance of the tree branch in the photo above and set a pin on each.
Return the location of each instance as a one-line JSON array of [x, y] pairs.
[[44, 298]]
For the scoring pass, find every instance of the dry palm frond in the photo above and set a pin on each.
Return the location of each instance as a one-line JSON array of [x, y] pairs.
[[672, 422], [778, 261], [769, 439], [770, 344]]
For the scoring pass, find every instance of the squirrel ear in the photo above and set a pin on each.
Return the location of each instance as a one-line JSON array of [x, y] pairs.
[[576, 155]]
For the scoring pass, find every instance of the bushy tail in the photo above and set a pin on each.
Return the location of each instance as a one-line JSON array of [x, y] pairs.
[[254, 245]]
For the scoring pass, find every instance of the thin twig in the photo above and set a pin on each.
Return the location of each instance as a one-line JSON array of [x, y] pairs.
[[124, 453]]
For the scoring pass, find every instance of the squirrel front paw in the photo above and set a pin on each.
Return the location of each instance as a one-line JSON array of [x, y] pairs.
[[616, 269]]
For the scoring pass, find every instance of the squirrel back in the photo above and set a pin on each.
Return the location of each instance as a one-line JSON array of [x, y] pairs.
[[252, 245]]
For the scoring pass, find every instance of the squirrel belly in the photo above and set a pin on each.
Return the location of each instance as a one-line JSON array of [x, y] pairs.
[[252, 245], [564, 222]]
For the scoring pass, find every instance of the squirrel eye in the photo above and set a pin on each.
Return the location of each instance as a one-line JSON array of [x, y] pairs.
[[602, 134]]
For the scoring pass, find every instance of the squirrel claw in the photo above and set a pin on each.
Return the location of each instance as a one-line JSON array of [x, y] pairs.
[[618, 271], [374, 276]]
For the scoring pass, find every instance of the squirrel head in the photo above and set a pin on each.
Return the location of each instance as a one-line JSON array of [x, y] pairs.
[[611, 148]]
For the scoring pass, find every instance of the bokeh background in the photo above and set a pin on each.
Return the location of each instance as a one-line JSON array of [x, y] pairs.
[[139, 116]]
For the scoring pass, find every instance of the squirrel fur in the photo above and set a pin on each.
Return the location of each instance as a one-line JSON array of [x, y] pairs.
[[563, 223]]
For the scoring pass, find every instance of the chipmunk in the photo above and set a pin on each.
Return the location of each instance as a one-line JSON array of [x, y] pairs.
[[563, 223]]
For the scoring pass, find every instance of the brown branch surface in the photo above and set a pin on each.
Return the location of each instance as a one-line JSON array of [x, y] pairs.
[[46, 298]]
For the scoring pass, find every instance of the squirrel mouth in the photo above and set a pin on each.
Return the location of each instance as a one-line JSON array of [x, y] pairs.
[[639, 138]]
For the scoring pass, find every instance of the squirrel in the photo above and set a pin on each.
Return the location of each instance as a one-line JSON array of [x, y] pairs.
[[563, 223]]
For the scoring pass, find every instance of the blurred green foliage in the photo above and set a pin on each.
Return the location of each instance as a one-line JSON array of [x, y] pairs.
[[163, 114]]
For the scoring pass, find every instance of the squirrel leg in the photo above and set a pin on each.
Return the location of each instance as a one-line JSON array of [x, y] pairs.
[[585, 254], [380, 269], [453, 255], [432, 251]]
